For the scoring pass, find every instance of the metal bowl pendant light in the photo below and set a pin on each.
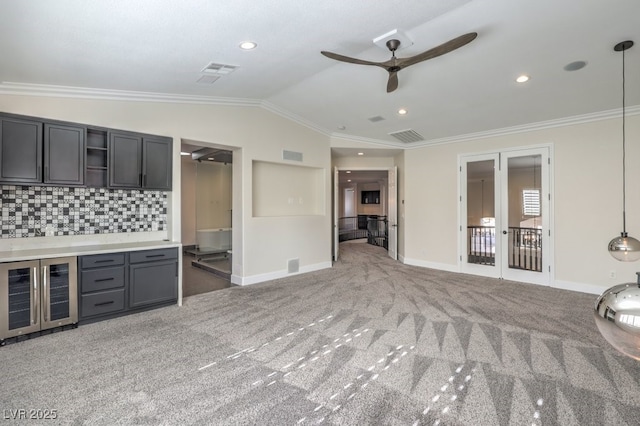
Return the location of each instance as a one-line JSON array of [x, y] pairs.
[[624, 248]]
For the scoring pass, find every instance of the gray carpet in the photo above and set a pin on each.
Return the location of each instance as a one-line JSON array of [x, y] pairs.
[[368, 342]]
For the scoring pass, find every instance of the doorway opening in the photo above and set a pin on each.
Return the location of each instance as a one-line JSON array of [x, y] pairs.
[[505, 215], [365, 208], [207, 176]]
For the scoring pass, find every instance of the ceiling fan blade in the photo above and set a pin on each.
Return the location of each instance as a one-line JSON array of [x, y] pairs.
[[438, 50], [392, 84], [343, 58]]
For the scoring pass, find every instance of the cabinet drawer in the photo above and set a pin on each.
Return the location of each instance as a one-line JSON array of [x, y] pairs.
[[102, 303], [101, 260], [102, 279], [153, 255]]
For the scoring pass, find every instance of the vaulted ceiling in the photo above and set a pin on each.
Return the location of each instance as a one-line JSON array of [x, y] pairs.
[[159, 49]]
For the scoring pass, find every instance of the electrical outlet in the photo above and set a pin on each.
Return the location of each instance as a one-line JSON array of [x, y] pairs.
[[48, 231], [154, 226], [612, 273]]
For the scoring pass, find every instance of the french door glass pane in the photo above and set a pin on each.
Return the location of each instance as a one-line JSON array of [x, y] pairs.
[[481, 226], [525, 213]]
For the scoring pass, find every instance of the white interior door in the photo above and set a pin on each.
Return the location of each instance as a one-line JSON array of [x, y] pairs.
[[525, 231], [505, 215], [336, 203], [479, 213], [392, 213]]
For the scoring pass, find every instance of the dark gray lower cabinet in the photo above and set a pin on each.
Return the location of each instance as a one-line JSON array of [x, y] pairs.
[[153, 275], [120, 283]]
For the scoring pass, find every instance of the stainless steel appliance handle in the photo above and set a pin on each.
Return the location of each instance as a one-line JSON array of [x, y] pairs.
[[45, 293], [34, 308]]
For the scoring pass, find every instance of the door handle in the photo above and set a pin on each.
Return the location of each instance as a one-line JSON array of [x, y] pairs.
[[504, 232], [45, 302], [34, 313]]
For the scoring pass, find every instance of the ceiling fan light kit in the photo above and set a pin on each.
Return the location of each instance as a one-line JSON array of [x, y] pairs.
[[394, 65]]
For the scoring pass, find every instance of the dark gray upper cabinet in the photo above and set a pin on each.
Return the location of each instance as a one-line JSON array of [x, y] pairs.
[[64, 153], [139, 161], [125, 160], [156, 166], [33, 152], [40, 151], [20, 151]]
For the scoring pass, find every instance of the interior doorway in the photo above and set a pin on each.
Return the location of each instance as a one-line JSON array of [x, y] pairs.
[[365, 208], [505, 215], [207, 176]]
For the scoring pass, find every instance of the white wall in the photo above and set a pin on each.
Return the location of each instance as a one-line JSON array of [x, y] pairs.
[[188, 201], [259, 135], [587, 199]]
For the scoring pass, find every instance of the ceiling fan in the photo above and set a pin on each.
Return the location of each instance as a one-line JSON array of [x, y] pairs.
[[394, 64]]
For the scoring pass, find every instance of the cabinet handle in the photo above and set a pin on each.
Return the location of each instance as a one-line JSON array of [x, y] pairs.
[[144, 180], [34, 310], [46, 173], [104, 261], [148, 256], [45, 294], [104, 303], [103, 279]]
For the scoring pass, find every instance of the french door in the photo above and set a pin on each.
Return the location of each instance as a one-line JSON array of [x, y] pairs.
[[505, 218]]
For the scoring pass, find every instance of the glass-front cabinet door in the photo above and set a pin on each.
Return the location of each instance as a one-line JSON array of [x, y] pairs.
[[59, 292], [36, 295], [19, 298]]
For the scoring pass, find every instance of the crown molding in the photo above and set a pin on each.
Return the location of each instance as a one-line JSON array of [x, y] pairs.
[[26, 89], [293, 117], [531, 127]]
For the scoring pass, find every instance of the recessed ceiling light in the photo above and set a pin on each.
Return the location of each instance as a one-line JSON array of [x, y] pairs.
[[348, 171], [361, 153], [523, 78], [248, 45], [210, 158], [402, 111], [348, 180], [184, 153]]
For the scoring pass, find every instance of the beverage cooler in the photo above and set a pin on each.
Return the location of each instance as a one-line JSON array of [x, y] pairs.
[[37, 295]]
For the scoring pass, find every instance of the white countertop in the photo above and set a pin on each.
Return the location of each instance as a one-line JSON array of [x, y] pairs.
[[82, 250]]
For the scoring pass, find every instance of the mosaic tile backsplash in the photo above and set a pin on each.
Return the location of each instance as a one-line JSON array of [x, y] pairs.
[[38, 211]]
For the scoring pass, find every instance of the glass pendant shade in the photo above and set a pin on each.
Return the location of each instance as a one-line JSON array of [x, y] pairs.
[[625, 248], [617, 315]]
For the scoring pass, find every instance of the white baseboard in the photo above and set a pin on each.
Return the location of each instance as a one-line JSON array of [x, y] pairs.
[[433, 265], [564, 285], [581, 287], [255, 279]]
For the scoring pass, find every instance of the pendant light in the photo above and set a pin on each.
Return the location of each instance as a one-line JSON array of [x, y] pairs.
[[624, 248]]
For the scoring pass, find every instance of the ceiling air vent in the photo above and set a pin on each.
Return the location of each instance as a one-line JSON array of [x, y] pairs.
[[208, 79], [407, 136], [218, 69], [376, 119]]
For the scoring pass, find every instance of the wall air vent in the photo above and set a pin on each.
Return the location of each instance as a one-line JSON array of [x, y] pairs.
[[218, 69], [293, 266], [376, 119], [407, 136], [291, 155]]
